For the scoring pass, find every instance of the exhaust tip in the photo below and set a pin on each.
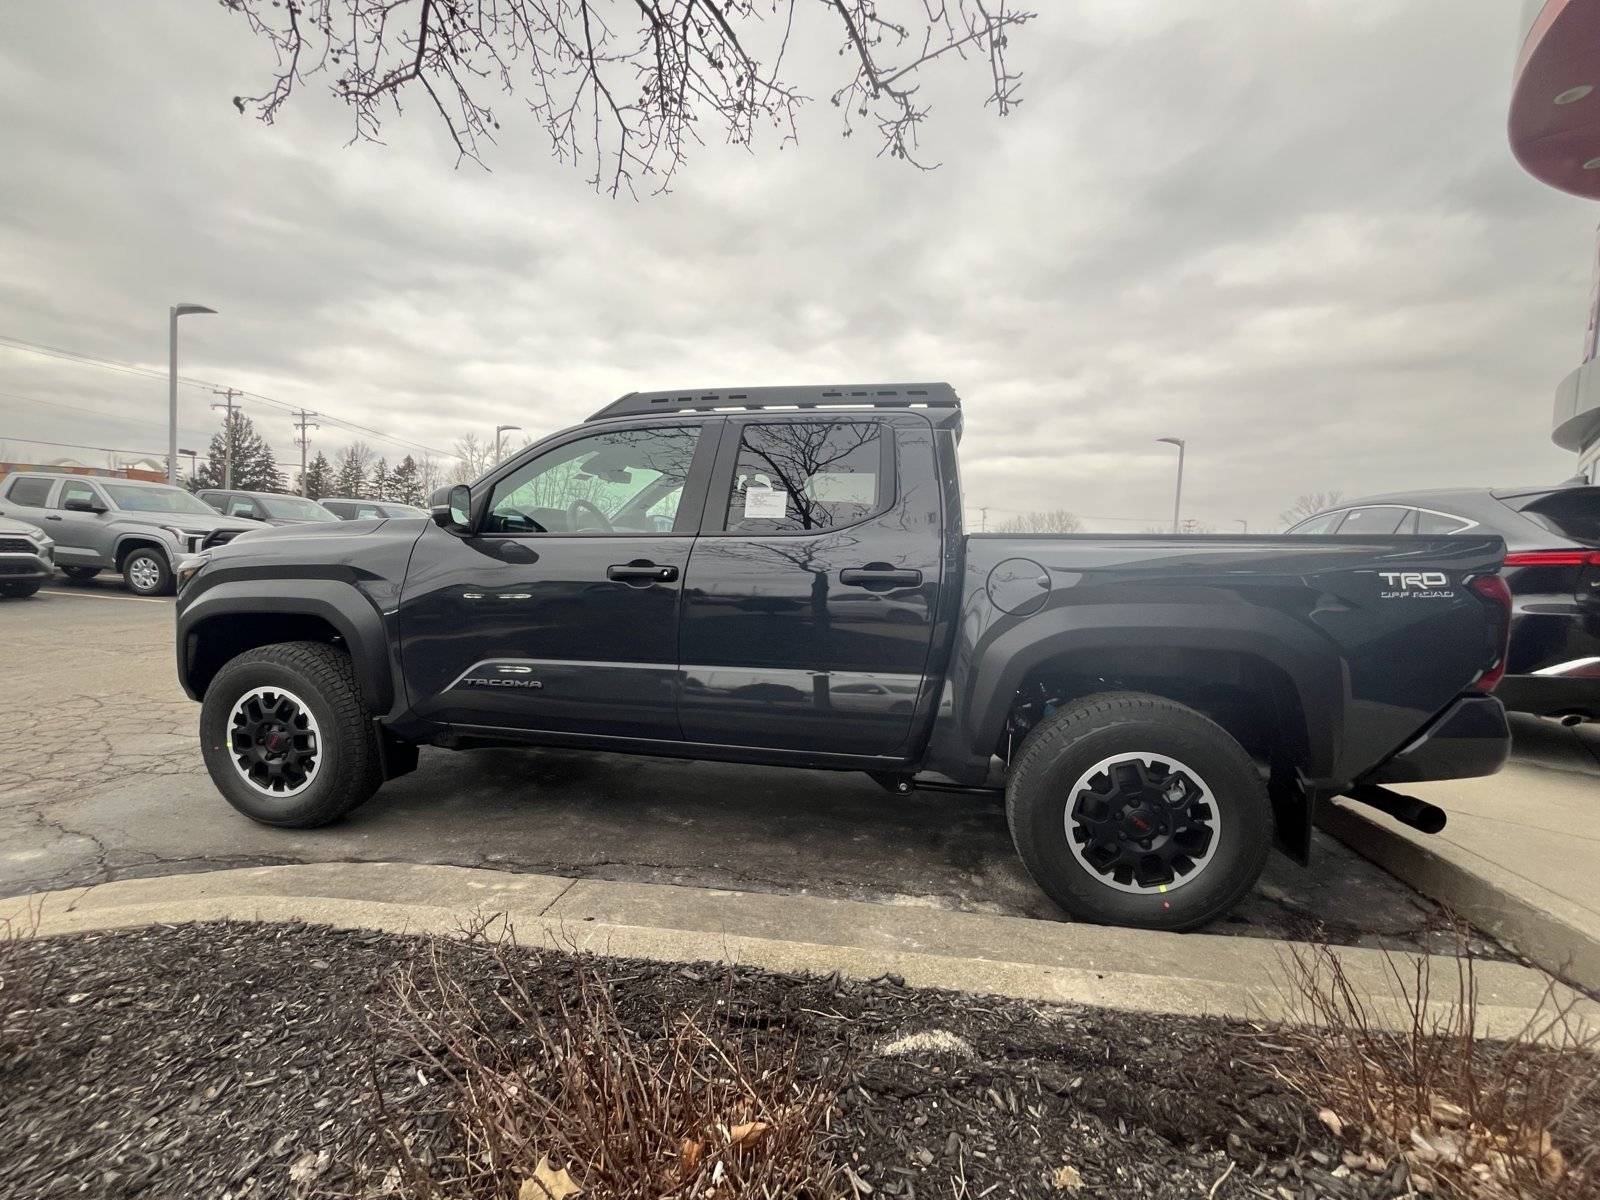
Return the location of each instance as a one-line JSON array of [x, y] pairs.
[[1408, 810]]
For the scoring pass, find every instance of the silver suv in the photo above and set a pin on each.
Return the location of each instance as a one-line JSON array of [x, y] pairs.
[[140, 529]]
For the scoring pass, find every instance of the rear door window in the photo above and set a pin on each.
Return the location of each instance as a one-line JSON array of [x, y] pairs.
[[32, 492], [1377, 520], [806, 475]]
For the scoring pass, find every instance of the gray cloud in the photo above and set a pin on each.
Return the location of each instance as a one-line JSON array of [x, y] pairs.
[[1291, 233]]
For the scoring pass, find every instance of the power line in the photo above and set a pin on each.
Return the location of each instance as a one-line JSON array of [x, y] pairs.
[[158, 455], [127, 368]]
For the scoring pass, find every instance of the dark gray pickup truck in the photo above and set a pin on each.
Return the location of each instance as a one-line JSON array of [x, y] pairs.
[[780, 575]]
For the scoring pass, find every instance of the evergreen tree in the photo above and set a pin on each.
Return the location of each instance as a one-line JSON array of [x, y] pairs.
[[319, 477], [351, 479], [254, 469], [407, 482], [382, 484]]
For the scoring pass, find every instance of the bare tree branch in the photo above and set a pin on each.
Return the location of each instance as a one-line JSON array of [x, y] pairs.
[[628, 84]]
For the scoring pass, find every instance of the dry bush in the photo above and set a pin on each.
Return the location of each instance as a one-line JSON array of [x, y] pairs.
[[540, 1074], [1491, 1120], [18, 986]]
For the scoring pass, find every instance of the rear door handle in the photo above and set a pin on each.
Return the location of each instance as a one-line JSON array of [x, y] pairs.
[[879, 577], [641, 572], [51, 517]]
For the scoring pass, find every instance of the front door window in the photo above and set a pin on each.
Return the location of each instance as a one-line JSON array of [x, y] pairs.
[[628, 481]]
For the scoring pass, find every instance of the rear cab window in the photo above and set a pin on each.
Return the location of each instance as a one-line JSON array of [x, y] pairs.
[[31, 492]]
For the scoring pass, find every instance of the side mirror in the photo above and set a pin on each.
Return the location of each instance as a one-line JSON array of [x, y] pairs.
[[452, 508], [77, 504]]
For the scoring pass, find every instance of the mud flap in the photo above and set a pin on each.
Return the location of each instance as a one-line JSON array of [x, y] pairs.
[[397, 758], [1294, 811]]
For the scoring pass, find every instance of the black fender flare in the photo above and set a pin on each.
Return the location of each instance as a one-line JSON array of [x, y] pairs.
[[1312, 666], [339, 603]]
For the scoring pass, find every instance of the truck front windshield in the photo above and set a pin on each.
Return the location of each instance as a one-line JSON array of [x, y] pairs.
[[157, 500]]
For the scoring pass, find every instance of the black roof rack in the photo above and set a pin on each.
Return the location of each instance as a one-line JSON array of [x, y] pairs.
[[872, 395]]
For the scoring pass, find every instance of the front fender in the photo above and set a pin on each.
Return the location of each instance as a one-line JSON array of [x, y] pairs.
[[342, 605]]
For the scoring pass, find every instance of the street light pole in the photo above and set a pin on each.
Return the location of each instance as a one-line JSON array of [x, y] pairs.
[[498, 430], [1177, 497], [173, 313]]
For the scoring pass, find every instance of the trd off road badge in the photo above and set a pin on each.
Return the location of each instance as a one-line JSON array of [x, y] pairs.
[[1415, 585]]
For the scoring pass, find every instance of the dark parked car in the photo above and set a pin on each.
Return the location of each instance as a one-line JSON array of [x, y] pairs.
[[680, 576], [274, 508], [367, 510], [1552, 567]]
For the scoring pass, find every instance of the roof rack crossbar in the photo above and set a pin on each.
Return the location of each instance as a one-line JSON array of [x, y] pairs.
[[901, 395]]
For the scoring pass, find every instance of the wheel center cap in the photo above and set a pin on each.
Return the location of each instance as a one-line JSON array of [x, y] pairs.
[[275, 740]]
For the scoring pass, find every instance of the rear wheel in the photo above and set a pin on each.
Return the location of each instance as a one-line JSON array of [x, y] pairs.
[[80, 574], [1129, 809], [17, 591], [286, 737], [147, 572]]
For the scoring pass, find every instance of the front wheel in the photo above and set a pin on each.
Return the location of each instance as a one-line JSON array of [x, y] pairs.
[[147, 572], [1129, 809], [286, 737], [16, 591]]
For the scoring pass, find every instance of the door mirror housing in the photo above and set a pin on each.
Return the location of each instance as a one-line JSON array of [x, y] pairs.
[[452, 508], [78, 504]]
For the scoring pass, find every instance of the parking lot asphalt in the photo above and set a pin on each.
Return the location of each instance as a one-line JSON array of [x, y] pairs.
[[101, 778]]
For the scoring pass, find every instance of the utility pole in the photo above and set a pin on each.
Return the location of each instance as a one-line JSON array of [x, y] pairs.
[[983, 518], [227, 431], [302, 422]]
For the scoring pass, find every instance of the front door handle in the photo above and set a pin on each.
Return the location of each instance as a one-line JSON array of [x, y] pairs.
[[880, 577], [51, 517], [641, 572]]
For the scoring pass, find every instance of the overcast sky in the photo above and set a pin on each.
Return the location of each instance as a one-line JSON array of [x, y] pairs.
[[1288, 230]]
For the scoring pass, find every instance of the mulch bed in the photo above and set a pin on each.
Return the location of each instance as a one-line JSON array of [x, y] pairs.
[[207, 1060]]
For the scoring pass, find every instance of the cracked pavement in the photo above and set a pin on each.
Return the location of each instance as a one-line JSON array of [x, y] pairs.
[[103, 780]]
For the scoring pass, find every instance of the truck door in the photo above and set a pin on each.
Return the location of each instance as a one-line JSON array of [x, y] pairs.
[[560, 611], [808, 611], [82, 536]]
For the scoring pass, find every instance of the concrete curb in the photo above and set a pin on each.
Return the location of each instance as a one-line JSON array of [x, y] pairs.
[[1184, 974], [1538, 924]]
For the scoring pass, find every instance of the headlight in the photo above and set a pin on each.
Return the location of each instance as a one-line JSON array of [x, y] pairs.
[[189, 566]]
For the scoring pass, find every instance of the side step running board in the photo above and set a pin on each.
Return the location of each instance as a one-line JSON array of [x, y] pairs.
[[1408, 810]]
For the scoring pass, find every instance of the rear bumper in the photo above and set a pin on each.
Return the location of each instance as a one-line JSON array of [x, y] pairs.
[[1551, 695], [1469, 738]]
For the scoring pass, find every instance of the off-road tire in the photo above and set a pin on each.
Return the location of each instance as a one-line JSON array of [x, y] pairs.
[[80, 574], [162, 575], [1079, 735], [324, 678], [18, 591]]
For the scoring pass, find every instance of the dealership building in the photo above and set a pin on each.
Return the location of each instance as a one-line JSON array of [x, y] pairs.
[[1554, 128]]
